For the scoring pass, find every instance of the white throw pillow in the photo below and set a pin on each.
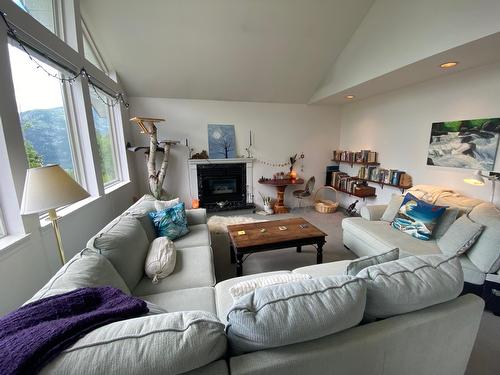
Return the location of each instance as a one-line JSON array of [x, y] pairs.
[[247, 286], [460, 237], [162, 205], [160, 261]]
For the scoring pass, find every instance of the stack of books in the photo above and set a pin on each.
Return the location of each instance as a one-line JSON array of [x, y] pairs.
[[363, 156], [342, 181], [390, 176]]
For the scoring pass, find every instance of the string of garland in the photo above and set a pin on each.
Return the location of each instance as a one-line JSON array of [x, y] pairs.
[[118, 98]]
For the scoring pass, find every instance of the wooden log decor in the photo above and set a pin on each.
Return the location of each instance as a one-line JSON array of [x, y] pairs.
[[156, 177]]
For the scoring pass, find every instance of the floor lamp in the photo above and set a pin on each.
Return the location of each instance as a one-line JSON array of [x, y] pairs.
[[47, 188], [477, 179]]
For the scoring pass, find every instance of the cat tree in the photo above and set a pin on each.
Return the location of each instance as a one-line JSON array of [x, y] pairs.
[[156, 177]]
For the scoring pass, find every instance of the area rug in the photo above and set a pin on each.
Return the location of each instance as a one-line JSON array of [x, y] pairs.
[[218, 224]]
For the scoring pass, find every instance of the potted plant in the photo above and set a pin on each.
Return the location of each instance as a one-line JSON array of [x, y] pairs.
[[268, 208]]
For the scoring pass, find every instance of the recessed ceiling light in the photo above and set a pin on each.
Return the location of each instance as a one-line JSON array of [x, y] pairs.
[[449, 64], [350, 97]]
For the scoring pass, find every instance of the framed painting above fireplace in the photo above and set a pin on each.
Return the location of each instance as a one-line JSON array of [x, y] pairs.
[[221, 141]]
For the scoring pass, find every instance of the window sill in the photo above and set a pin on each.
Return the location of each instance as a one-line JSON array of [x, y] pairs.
[[45, 221], [115, 186], [10, 241]]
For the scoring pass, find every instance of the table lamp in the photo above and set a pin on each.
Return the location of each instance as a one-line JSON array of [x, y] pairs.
[[47, 188], [477, 179]]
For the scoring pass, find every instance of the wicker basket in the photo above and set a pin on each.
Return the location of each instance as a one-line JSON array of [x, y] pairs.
[[325, 206]]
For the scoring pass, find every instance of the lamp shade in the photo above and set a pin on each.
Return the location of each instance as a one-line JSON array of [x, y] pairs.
[[476, 179], [48, 188]]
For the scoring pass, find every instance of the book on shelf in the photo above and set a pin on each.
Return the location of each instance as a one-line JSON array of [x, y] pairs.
[[363, 156]]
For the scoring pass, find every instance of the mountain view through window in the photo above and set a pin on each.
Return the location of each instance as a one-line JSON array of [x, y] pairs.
[[42, 114]]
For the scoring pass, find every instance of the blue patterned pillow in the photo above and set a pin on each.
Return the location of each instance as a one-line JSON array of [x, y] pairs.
[[417, 218], [170, 222]]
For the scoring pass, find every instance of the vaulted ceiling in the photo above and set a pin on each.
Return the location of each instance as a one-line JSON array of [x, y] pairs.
[[245, 50]]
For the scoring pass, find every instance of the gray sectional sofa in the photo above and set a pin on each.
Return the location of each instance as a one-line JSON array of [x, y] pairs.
[[185, 330], [369, 235]]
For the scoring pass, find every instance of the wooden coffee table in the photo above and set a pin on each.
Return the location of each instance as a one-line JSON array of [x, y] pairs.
[[266, 235]]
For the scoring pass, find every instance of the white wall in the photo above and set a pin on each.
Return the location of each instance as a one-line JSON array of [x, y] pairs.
[[396, 33], [280, 130], [398, 125]]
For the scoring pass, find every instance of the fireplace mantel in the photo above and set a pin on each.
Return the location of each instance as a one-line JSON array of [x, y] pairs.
[[193, 175]]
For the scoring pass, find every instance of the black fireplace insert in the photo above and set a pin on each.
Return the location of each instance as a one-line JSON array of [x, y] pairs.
[[222, 186]]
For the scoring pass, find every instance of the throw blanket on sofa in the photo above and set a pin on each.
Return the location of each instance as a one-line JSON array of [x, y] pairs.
[[36, 333]]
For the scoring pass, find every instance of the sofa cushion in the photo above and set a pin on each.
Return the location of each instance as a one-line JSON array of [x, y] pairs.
[[198, 236], [410, 284], [202, 299], [170, 222], [142, 207], [445, 222], [125, 244], [160, 260], [472, 274], [325, 269], [193, 268], [170, 343], [85, 269], [462, 234], [244, 287], [381, 237], [223, 299], [392, 208], [417, 217], [358, 264], [485, 254], [285, 314]]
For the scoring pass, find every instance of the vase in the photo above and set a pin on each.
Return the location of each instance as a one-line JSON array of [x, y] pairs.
[[268, 209]]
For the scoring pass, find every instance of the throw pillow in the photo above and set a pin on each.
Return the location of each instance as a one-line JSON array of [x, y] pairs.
[[171, 222], [445, 221], [417, 218], [357, 265], [160, 261], [462, 234], [290, 313], [247, 286], [411, 283], [161, 205], [392, 208]]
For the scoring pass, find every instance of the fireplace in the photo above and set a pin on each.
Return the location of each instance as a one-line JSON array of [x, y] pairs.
[[222, 186]]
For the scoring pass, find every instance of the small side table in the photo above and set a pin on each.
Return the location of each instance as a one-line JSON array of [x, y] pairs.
[[280, 185]]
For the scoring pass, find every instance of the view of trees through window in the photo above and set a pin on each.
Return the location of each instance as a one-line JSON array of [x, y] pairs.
[[102, 121], [41, 10], [42, 113]]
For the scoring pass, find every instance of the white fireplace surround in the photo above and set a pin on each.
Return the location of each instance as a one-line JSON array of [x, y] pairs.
[[193, 173]]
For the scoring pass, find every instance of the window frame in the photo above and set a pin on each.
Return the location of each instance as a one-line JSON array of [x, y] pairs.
[[3, 228]]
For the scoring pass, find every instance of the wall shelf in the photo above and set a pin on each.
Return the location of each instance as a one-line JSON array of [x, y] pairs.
[[382, 184], [356, 195]]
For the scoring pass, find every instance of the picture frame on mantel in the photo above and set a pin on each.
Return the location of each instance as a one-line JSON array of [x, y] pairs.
[[221, 141]]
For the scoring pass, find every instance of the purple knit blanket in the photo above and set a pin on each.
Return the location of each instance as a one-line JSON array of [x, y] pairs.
[[36, 333]]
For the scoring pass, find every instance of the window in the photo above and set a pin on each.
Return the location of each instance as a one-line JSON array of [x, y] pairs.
[[104, 128], [3, 230], [90, 50], [41, 106], [41, 10]]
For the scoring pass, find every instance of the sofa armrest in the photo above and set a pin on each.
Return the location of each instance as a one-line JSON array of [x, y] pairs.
[[196, 216], [373, 213]]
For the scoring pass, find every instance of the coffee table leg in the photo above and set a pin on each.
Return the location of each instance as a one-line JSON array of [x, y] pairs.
[[231, 253], [299, 249], [319, 255], [239, 264]]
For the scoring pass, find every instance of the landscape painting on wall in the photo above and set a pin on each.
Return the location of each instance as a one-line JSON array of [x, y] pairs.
[[221, 141], [470, 144]]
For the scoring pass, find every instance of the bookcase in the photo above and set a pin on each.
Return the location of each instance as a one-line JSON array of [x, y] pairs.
[[369, 171]]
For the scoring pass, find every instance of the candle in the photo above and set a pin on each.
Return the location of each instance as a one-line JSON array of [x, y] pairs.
[[187, 143], [195, 203], [250, 137]]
